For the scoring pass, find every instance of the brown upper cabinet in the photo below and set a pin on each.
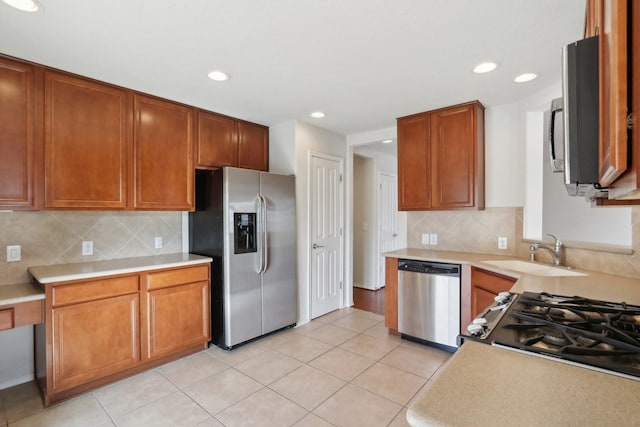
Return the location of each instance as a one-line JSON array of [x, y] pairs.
[[617, 23], [253, 146], [225, 141], [627, 186], [18, 142], [86, 143], [70, 142], [217, 141], [163, 154], [441, 159], [608, 20]]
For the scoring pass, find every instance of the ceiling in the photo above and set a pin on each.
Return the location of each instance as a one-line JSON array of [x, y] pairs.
[[363, 63]]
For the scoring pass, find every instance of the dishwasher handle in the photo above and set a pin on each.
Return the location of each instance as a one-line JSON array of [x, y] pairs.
[[425, 267]]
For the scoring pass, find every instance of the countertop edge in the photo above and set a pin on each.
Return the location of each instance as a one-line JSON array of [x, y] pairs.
[[19, 293], [54, 273]]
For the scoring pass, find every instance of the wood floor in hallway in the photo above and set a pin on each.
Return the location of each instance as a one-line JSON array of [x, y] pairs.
[[368, 300]]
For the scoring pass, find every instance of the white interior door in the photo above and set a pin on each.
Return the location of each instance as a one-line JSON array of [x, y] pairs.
[[387, 219], [325, 234]]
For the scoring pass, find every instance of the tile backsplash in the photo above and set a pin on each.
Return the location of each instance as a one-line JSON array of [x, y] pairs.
[[55, 237], [478, 232]]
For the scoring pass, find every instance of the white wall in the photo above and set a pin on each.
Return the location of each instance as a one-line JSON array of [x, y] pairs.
[[548, 208], [294, 141], [504, 162], [365, 222]]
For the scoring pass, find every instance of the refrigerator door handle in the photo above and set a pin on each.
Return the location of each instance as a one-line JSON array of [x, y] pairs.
[[260, 226], [265, 245]]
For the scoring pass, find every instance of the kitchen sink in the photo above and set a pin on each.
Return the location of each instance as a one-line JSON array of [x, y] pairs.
[[533, 268]]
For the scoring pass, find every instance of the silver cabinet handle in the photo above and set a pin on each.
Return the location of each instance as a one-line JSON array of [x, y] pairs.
[[315, 246]]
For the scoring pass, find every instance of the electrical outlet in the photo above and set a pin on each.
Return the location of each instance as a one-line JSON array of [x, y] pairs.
[[502, 243], [433, 239], [87, 247], [158, 242], [425, 238], [13, 253]]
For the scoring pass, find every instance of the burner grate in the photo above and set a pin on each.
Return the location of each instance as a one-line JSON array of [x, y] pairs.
[[598, 333]]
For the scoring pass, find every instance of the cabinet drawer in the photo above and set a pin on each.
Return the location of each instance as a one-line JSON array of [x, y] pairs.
[[6, 319], [490, 281], [94, 290], [164, 279]]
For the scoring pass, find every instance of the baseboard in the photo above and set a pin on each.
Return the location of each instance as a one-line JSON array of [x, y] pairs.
[[15, 381]]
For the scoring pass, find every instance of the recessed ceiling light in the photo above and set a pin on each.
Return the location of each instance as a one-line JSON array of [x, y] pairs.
[[218, 76], [23, 5], [317, 114], [485, 67], [387, 141], [526, 77]]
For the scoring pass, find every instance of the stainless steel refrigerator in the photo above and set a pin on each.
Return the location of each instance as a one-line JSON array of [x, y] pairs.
[[246, 221]]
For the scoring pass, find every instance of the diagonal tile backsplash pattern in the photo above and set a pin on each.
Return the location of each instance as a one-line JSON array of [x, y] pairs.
[[478, 231], [54, 237]]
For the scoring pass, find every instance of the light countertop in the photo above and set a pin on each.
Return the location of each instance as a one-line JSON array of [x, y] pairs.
[[19, 293], [86, 270], [607, 287], [486, 386]]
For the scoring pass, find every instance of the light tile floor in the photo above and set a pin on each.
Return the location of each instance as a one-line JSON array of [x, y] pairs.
[[343, 369]]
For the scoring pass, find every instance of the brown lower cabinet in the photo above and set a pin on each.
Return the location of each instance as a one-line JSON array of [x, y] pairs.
[[391, 293], [100, 330], [485, 286]]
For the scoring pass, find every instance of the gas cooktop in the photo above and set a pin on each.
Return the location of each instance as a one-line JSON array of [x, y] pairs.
[[599, 334]]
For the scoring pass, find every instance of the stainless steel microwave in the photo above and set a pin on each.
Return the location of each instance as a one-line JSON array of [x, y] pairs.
[[572, 124]]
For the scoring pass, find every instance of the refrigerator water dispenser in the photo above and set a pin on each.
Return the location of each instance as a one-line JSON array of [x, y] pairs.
[[244, 236]]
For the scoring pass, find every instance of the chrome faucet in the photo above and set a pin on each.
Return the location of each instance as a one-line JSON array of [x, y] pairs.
[[556, 251]]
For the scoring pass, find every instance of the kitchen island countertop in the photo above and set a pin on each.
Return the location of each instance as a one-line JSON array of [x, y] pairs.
[[487, 386], [86, 270]]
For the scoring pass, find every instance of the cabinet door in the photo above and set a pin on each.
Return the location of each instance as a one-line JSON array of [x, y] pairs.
[[485, 285], [613, 52], [178, 318], [163, 152], [253, 146], [17, 139], [628, 185], [94, 339], [86, 143], [414, 159], [217, 143], [454, 153], [480, 299]]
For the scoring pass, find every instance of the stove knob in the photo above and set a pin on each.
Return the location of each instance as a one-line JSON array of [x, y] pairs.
[[480, 321], [502, 297], [475, 330]]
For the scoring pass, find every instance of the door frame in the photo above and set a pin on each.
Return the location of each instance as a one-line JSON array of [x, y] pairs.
[[340, 160]]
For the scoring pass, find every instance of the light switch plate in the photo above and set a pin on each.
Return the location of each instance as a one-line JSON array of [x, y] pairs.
[[158, 242], [13, 253], [433, 239], [425, 238]]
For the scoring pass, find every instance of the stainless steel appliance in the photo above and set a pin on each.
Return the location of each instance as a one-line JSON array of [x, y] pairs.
[[573, 135], [581, 118], [245, 220], [429, 301], [599, 335]]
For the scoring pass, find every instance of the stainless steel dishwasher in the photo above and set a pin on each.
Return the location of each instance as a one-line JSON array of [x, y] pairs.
[[429, 301]]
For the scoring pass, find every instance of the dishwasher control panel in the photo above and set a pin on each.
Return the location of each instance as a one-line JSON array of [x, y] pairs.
[[442, 269]]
